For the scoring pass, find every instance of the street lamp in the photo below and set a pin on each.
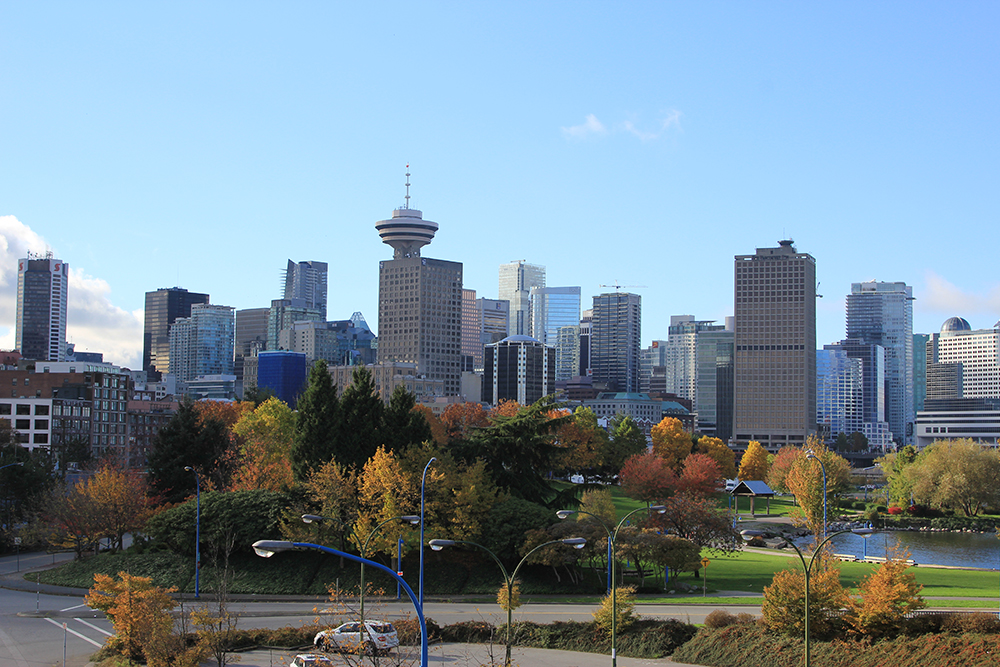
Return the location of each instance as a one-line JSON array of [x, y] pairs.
[[405, 518], [612, 539], [750, 534], [267, 548], [811, 455], [423, 483], [197, 530], [575, 542]]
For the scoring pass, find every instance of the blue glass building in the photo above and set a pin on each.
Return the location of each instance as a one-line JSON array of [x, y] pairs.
[[284, 373]]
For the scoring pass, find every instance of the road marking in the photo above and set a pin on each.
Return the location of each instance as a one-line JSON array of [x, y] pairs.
[[12, 647], [74, 633], [73, 607], [94, 627]]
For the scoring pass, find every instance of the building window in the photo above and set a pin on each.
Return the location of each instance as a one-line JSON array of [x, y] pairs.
[[23, 409]]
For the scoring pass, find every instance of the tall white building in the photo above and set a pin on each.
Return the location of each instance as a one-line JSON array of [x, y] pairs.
[[516, 280], [881, 313], [42, 294], [839, 407], [202, 344], [962, 362]]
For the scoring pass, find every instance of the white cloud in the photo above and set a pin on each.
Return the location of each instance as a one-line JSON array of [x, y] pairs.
[[589, 127], [94, 324], [672, 118], [943, 297]]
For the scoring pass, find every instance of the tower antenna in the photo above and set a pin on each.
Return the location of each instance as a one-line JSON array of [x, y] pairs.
[[407, 185]]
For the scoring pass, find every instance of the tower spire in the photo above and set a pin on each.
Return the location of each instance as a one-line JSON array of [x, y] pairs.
[[407, 185]]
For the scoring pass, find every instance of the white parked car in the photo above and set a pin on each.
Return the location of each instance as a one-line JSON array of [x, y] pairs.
[[311, 660], [380, 637]]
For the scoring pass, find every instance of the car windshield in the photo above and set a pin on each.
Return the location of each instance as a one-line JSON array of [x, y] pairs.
[[382, 627]]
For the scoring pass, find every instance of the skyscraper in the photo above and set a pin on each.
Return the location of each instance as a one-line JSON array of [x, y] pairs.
[[163, 307], [202, 344], [616, 330], [553, 308], [714, 393], [42, 294], [775, 346], [419, 300], [518, 368], [493, 318], [516, 280], [307, 281], [880, 313], [838, 392]]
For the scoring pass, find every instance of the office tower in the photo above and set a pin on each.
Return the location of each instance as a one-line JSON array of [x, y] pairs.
[[962, 362], [839, 393], [286, 312], [202, 344], [679, 354], [493, 321], [338, 343], [419, 301], [873, 414], [650, 358], [586, 328], [516, 280], [42, 294], [567, 352], [714, 389], [307, 281], [163, 308], [919, 371], [282, 372], [471, 332], [775, 346], [616, 330], [251, 336], [881, 313], [518, 368], [551, 309]]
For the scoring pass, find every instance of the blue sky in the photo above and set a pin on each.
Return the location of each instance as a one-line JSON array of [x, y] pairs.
[[204, 144]]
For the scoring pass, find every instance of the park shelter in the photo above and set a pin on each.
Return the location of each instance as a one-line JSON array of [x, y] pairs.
[[755, 490]]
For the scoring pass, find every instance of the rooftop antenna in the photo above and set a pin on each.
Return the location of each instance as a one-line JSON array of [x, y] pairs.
[[407, 185]]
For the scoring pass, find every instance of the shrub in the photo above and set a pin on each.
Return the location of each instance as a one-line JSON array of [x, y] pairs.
[[625, 608], [408, 630], [468, 632], [719, 618], [977, 622], [895, 511]]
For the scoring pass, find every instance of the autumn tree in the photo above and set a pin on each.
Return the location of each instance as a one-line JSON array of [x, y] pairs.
[[583, 444], [754, 465], [648, 478], [896, 466], [438, 432], [959, 474], [139, 613], [621, 608], [227, 412], [119, 501], [805, 481], [71, 518], [720, 453], [403, 427], [888, 595], [700, 475], [316, 423], [188, 441], [782, 463], [783, 607], [671, 442], [600, 503], [700, 520], [505, 408], [265, 439], [384, 491], [462, 419]]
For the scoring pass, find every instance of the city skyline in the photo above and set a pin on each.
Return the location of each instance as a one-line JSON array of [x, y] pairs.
[[860, 132]]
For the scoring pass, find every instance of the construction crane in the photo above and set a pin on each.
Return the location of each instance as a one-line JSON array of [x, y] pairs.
[[620, 287]]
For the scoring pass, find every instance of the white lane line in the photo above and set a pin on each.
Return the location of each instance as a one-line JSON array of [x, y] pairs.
[[94, 627], [75, 633], [11, 645], [73, 607]]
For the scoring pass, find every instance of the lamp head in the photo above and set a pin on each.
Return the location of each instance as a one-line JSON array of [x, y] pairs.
[[410, 518], [575, 542], [864, 532], [438, 545], [311, 518], [810, 454], [748, 535], [267, 548], [562, 514], [659, 509], [189, 468]]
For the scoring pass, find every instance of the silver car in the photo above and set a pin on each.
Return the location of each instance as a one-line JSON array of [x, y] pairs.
[[380, 637]]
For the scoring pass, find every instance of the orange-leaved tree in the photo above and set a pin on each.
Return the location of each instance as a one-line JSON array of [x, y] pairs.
[[119, 502], [263, 460], [438, 431], [780, 465], [720, 453], [505, 408], [139, 613], [754, 465], [461, 419], [648, 478], [783, 608], [385, 491], [671, 442], [700, 475], [887, 595]]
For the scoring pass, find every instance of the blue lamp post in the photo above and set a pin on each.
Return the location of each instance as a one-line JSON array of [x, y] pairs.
[[267, 548], [423, 483], [812, 455], [197, 530]]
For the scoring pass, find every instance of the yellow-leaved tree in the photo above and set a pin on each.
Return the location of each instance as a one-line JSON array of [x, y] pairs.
[[263, 456], [720, 453], [754, 465], [384, 491], [783, 608], [805, 481], [887, 595], [671, 442]]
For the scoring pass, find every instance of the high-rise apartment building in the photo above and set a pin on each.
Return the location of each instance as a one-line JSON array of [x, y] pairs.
[[650, 358], [307, 281], [516, 280], [962, 362], [586, 329], [286, 312], [615, 339], [881, 313], [919, 371], [553, 308], [42, 295], [775, 346], [680, 358], [163, 308], [202, 344], [839, 406], [471, 332], [419, 301], [518, 368]]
